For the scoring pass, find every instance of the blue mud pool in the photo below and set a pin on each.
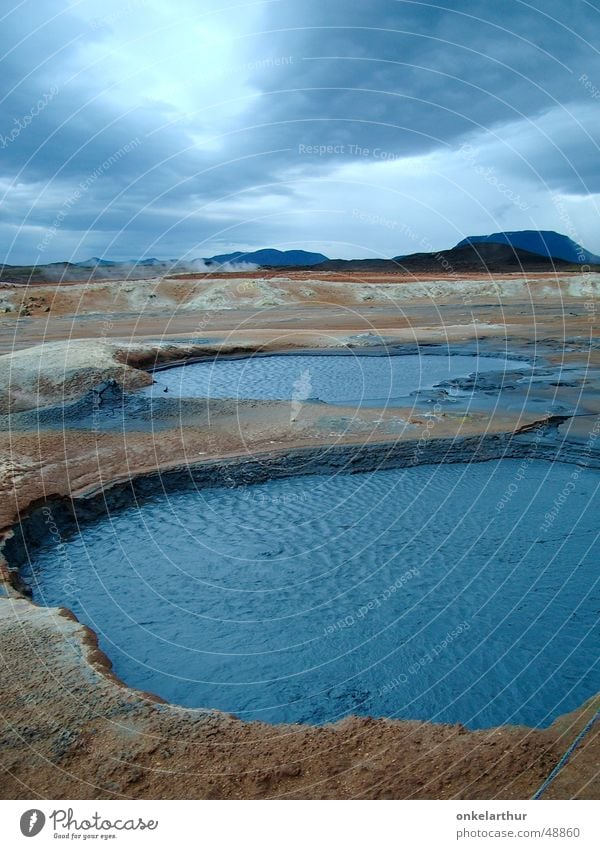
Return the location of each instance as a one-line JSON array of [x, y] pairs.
[[454, 593], [335, 379]]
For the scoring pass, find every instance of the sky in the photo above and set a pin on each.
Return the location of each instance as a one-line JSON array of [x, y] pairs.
[[181, 129]]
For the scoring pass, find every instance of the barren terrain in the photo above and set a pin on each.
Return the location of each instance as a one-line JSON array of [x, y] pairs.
[[72, 356]]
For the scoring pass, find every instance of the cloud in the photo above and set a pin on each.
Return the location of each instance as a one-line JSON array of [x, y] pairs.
[[219, 101]]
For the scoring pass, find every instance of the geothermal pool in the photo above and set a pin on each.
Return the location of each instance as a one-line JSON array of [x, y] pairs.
[[441, 593], [352, 379]]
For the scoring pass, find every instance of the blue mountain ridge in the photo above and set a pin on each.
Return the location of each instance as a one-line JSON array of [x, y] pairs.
[[547, 243]]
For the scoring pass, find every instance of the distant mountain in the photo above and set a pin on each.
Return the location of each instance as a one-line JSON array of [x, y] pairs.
[[150, 261], [269, 257], [499, 253], [546, 243], [95, 262], [479, 258]]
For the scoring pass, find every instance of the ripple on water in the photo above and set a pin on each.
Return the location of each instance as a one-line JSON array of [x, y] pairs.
[[335, 379], [402, 593]]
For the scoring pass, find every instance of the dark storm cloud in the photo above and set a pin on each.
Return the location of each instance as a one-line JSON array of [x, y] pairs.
[[434, 75], [406, 78]]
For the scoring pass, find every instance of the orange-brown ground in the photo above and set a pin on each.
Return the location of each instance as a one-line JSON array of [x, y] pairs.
[[69, 730]]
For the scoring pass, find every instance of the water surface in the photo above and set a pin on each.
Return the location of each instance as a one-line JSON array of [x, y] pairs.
[[353, 379], [436, 593]]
